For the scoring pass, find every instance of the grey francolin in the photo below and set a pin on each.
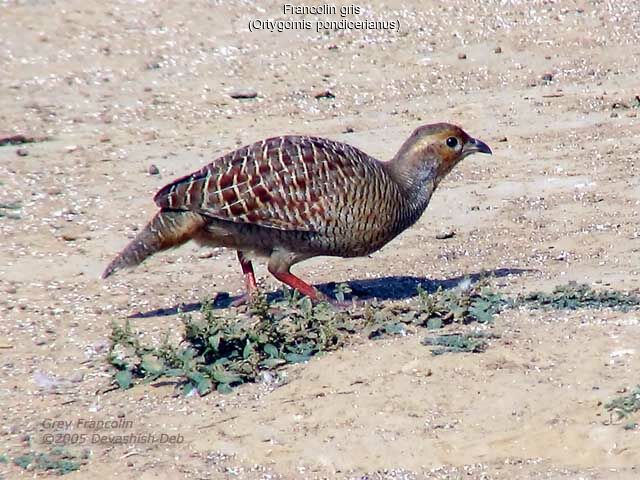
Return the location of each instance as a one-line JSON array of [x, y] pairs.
[[295, 197]]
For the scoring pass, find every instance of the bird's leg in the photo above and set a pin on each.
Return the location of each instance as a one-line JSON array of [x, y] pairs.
[[247, 271], [280, 263], [249, 280], [294, 282]]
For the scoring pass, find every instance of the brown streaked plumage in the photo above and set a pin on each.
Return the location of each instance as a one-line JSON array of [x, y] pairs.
[[295, 197]]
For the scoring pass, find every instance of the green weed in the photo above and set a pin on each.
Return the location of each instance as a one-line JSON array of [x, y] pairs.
[[625, 405], [574, 296], [8, 210], [221, 349], [58, 460], [472, 342]]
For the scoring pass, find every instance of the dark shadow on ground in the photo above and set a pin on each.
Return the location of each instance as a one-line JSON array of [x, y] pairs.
[[386, 288]]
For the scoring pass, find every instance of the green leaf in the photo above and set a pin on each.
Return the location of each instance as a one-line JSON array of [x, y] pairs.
[[296, 357], [186, 355], [226, 377], [24, 461], [480, 313], [409, 317], [434, 323], [248, 350], [214, 341], [188, 388], [271, 350], [272, 362], [340, 290], [174, 372], [394, 329], [124, 379], [152, 367], [306, 306], [224, 388], [116, 361], [201, 382]]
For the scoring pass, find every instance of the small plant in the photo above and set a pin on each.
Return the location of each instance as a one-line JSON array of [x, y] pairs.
[[10, 210], [474, 304], [472, 342], [222, 351], [340, 290], [433, 311], [579, 295], [58, 460], [625, 405]]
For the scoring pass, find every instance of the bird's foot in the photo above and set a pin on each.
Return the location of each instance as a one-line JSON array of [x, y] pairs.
[[344, 304], [240, 301], [245, 299]]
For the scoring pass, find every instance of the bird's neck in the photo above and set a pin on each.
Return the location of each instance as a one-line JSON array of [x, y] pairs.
[[416, 180]]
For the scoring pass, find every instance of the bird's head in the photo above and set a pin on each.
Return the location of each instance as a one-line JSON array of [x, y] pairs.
[[431, 152]]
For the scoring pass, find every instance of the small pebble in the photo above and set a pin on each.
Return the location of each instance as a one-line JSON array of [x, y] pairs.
[[153, 169], [243, 93], [503, 139], [497, 50], [547, 77], [76, 377], [462, 56], [445, 235], [324, 94], [22, 152]]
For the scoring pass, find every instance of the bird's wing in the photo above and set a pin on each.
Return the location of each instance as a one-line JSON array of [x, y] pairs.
[[287, 183]]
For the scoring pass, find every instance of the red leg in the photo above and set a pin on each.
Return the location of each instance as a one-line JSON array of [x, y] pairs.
[[294, 282], [247, 270]]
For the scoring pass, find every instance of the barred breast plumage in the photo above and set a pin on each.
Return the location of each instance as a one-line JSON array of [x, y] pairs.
[[294, 197]]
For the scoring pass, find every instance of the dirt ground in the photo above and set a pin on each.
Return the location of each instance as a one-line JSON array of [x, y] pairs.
[[116, 87]]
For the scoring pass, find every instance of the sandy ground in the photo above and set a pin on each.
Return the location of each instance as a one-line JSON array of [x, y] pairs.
[[119, 86]]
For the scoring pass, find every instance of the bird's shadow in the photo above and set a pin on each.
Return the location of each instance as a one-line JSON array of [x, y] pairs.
[[386, 288]]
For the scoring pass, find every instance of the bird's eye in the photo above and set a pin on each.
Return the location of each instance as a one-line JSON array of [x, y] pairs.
[[452, 142]]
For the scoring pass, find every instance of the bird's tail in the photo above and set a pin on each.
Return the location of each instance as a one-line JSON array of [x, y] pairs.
[[169, 228]]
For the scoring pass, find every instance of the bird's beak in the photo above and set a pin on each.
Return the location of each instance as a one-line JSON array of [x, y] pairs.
[[474, 145]]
